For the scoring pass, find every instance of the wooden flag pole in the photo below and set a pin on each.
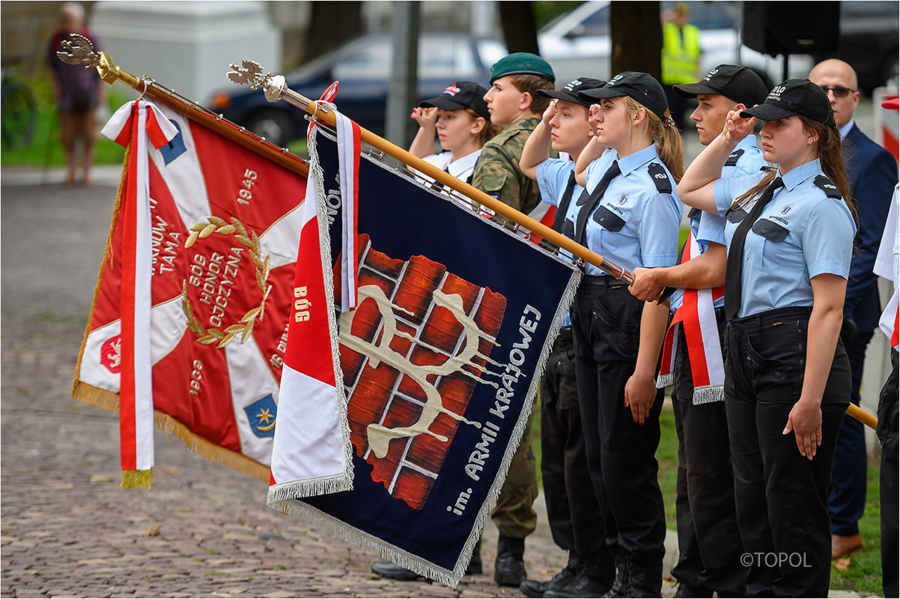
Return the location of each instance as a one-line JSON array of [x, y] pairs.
[[80, 50]]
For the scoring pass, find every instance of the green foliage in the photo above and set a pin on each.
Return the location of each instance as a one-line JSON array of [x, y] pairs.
[[863, 572], [544, 12]]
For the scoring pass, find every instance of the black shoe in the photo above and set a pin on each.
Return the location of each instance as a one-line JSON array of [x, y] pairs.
[[618, 587], [581, 586], [475, 563], [686, 590], [533, 588], [643, 582], [393, 571], [509, 567]]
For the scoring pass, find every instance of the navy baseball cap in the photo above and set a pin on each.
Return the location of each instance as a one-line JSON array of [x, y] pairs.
[[569, 93], [640, 87], [794, 96], [459, 96], [735, 83]]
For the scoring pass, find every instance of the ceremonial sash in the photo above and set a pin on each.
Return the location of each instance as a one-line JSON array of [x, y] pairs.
[[137, 123], [698, 317]]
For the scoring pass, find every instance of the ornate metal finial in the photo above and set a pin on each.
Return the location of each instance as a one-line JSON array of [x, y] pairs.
[[80, 50], [249, 73]]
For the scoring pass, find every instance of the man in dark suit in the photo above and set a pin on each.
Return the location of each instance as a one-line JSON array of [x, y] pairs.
[[873, 173]]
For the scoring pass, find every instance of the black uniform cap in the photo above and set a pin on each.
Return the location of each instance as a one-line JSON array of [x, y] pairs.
[[739, 84], [459, 96], [794, 96], [640, 87], [569, 93]]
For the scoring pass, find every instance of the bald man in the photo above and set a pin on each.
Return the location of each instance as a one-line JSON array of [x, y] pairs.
[[873, 173]]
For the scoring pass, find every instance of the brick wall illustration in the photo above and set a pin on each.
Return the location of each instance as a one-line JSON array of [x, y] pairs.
[[383, 395]]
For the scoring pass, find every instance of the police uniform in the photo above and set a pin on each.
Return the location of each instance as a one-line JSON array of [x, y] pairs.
[[709, 541], [804, 231], [635, 223]]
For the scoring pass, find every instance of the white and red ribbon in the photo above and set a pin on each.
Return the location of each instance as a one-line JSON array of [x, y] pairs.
[[701, 332], [137, 123]]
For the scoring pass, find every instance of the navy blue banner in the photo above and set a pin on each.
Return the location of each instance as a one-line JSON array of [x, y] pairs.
[[440, 362]]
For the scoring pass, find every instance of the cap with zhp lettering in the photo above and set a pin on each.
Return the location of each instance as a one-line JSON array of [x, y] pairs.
[[738, 84]]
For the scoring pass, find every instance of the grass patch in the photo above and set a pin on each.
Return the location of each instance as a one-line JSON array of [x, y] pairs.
[[863, 573], [667, 456], [44, 148]]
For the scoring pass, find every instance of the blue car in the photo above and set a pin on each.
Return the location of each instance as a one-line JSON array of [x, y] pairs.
[[362, 67]]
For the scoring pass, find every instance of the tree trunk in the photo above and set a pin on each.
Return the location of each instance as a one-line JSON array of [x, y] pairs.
[[636, 37], [519, 27], [331, 24]]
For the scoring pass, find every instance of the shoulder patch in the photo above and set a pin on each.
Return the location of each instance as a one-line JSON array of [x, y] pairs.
[[660, 177], [830, 189], [734, 157]]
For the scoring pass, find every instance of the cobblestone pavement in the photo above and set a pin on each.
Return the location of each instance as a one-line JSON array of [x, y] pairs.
[[202, 530]]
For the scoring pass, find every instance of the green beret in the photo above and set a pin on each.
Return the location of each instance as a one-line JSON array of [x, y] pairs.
[[522, 63]]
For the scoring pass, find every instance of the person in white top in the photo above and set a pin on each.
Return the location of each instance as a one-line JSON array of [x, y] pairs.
[[461, 120]]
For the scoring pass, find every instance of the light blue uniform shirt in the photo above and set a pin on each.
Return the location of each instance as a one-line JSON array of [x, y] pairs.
[[649, 235], [708, 227], [802, 233], [552, 179]]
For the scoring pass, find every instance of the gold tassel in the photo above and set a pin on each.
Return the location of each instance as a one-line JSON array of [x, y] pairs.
[[133, 479]]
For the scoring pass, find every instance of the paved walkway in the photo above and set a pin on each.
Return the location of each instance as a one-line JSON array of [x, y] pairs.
[[203, 530]]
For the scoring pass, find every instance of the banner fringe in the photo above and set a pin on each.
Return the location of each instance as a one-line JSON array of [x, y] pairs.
[[708, 394], [108, 255], [665, 380], [209, 450], [310, 487], [96, 396], [370, 543], [134, 479], [316, 176]]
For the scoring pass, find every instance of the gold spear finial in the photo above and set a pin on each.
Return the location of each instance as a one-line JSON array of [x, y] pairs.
[[80, 50]]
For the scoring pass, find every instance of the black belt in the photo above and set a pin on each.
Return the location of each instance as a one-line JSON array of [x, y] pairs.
[[601, 281], [772, 317]]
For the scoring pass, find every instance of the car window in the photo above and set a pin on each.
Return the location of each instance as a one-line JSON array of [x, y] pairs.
[[595, 25], [446, 58], [710, 15], [372, 61]]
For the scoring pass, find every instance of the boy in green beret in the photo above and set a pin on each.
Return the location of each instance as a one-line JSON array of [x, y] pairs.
[[514, 105]]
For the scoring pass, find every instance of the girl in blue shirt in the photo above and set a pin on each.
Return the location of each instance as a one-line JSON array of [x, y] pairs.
[[787, 378], [631, 215]]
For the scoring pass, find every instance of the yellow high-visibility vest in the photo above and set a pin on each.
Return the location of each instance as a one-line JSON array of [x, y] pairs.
[[679, 60]]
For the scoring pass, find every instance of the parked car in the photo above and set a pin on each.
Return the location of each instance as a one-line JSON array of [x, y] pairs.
[[362, 67], [578, 43]]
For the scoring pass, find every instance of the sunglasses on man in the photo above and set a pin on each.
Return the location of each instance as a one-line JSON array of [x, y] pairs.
[[839, 91]]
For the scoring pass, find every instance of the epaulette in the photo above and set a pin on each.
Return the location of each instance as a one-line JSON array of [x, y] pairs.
[[660, 178], [734, 157], [694, 213], [830, 189]]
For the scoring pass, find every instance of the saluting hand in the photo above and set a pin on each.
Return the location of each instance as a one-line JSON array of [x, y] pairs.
[[737, 128], [425, 117], [645, 287], [805, 420], [549, 113]]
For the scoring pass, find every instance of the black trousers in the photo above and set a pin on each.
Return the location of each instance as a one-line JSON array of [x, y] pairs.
[[847, 497], [620, 453], [573, 510], [781, 496], [709, 540], [890, 501]]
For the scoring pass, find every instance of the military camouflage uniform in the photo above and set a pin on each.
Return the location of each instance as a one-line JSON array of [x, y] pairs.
[[497, 171], [497, 174]]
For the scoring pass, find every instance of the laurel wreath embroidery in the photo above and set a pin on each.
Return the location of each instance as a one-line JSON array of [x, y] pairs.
[[244, 326]]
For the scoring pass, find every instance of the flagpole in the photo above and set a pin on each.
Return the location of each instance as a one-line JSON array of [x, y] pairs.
[[80, 51], [276, 89]]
